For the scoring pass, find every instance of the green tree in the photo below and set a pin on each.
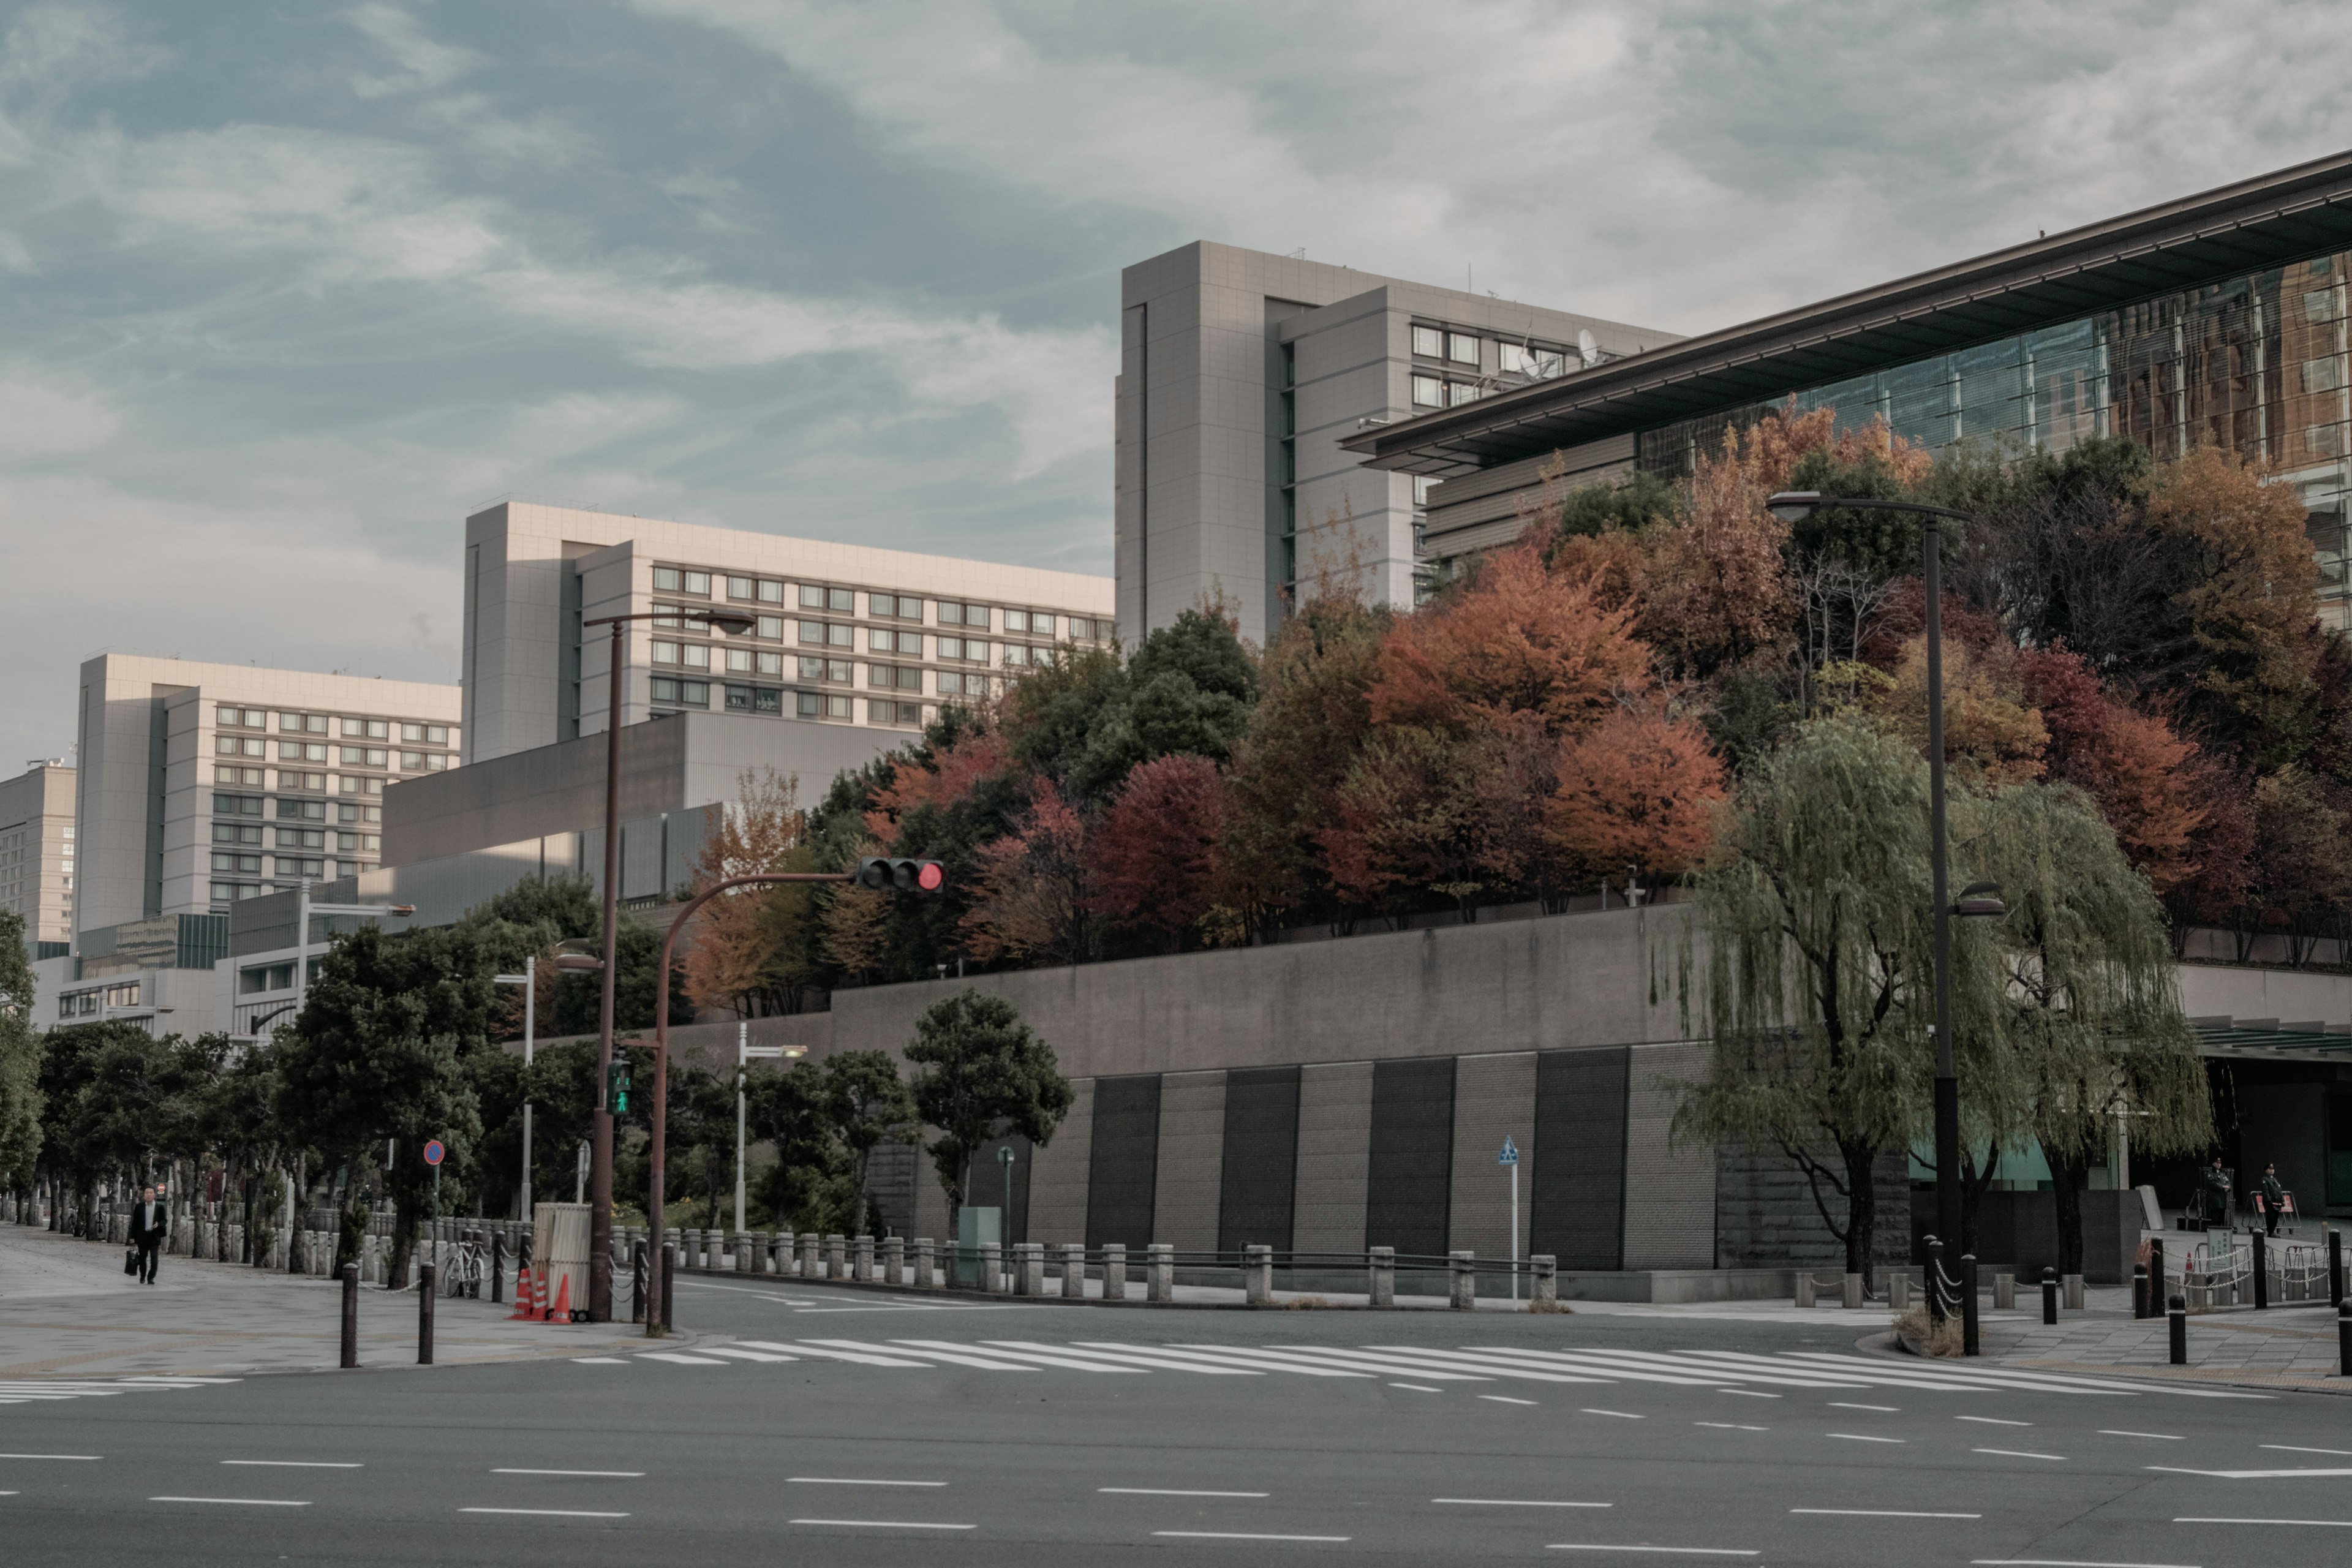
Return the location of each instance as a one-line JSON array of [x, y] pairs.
[[20, 1061], [866, 1102], [237, 1117], [980, 1074], [382, 1051], [808, 1186], [1819, 977]]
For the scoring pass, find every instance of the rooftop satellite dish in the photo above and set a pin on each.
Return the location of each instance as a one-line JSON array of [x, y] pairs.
[[1588, 350]]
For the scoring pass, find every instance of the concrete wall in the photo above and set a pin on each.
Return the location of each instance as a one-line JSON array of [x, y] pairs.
[[1192, 1160], [1335, 1143], [1493, 1097], [1669, 1186], [1057, 1175]]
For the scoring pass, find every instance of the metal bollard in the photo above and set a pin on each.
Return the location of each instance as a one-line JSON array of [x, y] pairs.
[[638, 1282], [2344, 1339], [424, 1294], [1937, 1305], [2334, 1267], [1464, 1266], [2179, 1316], [2139, 1291], [1970, 1342], [894, 1260], [2262, 1274], [350, 1315], [1074, 1271], [924, 1278], [1257, 1275], [668, 1273], [1114, 1257], [1382, 1264], [1162, 1271], [2050, 1295], [498, 1266], [1545, 1271]]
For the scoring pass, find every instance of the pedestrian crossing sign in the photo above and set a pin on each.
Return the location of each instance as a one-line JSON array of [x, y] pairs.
[[1510, 1154]]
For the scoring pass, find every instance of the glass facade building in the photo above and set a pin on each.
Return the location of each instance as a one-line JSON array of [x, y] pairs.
[[2255, 364]]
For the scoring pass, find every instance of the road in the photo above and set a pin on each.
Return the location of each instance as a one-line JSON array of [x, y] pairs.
[[829, 1424]]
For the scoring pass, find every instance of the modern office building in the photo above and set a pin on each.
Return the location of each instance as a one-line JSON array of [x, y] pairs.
[[847, 634], [201, 785], [37, 851], [2218, 320], [1241, 374]]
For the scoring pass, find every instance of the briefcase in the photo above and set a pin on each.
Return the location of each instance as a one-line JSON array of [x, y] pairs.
[[130, 1258]]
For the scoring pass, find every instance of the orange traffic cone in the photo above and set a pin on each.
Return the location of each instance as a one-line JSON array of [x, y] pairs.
[[561, 1311], [522, 1294]]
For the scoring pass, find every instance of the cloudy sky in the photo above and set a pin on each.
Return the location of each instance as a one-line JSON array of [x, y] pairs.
[[286, 290]]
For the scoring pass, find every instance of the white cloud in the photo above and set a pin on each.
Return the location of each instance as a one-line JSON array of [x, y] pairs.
[[418, 61], [39, 418]]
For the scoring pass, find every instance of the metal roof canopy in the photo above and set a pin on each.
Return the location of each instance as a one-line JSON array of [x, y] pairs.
[[2313, 1041], [2271, 220]]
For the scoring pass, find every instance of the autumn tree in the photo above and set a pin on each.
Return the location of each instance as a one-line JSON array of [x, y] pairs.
[[1156, 847], [752, 948], [1639, 790], [2130, 762], [1035, 899]]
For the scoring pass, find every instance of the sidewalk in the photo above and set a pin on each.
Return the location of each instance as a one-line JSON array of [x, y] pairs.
[[67, 1310], [2285, 1347]]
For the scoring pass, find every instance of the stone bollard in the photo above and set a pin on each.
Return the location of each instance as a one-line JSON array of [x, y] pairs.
[[1804, 1291], [1898, 1289], [1161, 1271], [894, 1260], [1114, 1256], [1033, 1269], [2073, 1292], [2004, 1291], [1545, 1269], [1853, 1297], [861, 1267], [676, 1242], [773, 1249], [1380, 1263], [1019, 1268], [745, 1252], [1257, 1274], [1464, 1294], [1074, 1271], [836, 1267], [811, 1268], [924, 1278], [991, 1255]]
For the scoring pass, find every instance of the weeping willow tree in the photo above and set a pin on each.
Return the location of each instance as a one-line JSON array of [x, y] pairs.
[[2095, 1030], [1818, 974]]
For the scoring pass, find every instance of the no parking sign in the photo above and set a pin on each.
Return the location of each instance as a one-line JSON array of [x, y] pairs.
[[433, 1151]]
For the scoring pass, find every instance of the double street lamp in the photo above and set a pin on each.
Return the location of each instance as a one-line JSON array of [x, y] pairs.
[[1980, 901], [735, 623]]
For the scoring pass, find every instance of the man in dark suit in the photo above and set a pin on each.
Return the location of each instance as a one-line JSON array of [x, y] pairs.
[[150, 1219]]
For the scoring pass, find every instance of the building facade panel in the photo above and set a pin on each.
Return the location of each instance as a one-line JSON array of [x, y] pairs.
[[1258, 1184], [1334, 1148], [1059, 1177], [1669, 1185], [1185, 1199], [1494, 1099], [37, 850], [1408, 1200], [1579, 1190], [1123, 1160]]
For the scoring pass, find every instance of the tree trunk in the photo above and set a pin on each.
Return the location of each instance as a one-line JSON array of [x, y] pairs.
[[297, 1243], [1860, 1207], [1974, 1185], [406, 1196], [2067, 1178]]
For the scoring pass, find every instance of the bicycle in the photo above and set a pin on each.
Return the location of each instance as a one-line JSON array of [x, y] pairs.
[[463, 1264]]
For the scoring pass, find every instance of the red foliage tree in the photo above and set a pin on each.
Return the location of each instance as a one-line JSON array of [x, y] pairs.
[[1637, 790], [2129, 762], [1155, 850]]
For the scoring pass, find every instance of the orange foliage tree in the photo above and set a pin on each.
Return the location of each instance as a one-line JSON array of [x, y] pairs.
[[2130, 762], [1035, 902], [752, 948], [1637, 790], [1155, 850]]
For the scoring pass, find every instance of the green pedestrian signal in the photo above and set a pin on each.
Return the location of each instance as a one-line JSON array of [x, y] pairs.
[[617, 1086]]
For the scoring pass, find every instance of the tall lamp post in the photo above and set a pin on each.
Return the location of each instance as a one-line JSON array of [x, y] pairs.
[[745, 1053], [599, 1182], [1795, 506], [565, 963]]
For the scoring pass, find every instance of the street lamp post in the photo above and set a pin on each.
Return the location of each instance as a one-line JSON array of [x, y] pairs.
[[654, 1328], [1793, 505], [303, 912], [600, 1183], [565, 963], [745, 1052]]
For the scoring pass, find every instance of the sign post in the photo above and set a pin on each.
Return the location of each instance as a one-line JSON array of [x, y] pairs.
[[1510, 1159], [433, 1153]]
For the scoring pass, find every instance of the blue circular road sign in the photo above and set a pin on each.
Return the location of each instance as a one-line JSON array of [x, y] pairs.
[[433, 1151]]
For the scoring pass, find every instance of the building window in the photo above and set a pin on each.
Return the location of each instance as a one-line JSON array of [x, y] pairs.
[[238, 804], [301, 811], [2323, 440], [739, 699], [232, 862], [1428, 341], [768, 663], [1428, 392], [298, 865], [1460, 391], [675, 580], [811, 597], [739, 660], [2319, 305], [686, 693], [317, 781], [772, 626], [694, 655], [411, 762], [770, 591], [2321, 375], [1461, 348], [362, 757], [301, 838], [238, 832], [952, 614], [742, 588], [894, 712], [1041, 623], [669, 617]]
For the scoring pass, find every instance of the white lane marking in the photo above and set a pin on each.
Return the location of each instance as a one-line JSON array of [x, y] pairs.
[[1882, 1409], [2159, 1437], [615, 1475], [736, 1353], [1730, 1426], [2063, 1563], [1171, 1491], [599, 1360], [1858, 1437], [2048, 1382], [1506, 1399], [2245, 1475], [1219, 1354], [679, 1358], [298, 1464], [1417, 1388], [1669, 1551], [2291, 1448], [853, 1481], [880, 1524], [2019, 1454], [237, 1501], [1514, 1502], [548, 1512], [1991, 1421], [84, 1458], [863, 1358], [1620, 1414], [1884, 1513], [952, 1357], [1240, 1535], [1750, 1392], [2315, 1524]]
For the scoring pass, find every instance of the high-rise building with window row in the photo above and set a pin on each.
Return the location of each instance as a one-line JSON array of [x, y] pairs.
[[37, 850]]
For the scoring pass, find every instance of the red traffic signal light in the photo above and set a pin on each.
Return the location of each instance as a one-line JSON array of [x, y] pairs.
[[901, 876]]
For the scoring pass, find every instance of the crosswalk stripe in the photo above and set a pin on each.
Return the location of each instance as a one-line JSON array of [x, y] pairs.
[[1994, 1377], [1220, 1355], [1475, 1361], [1142, 1359], [736, 1353], [1578, 1361], [958, 1357], [864, 1355], [678, 1358], [1363, 1361], [1740, 1372], [1040, 1358]]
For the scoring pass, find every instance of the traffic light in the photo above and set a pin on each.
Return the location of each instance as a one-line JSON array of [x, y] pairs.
[[617, 1084], [901, 876]]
